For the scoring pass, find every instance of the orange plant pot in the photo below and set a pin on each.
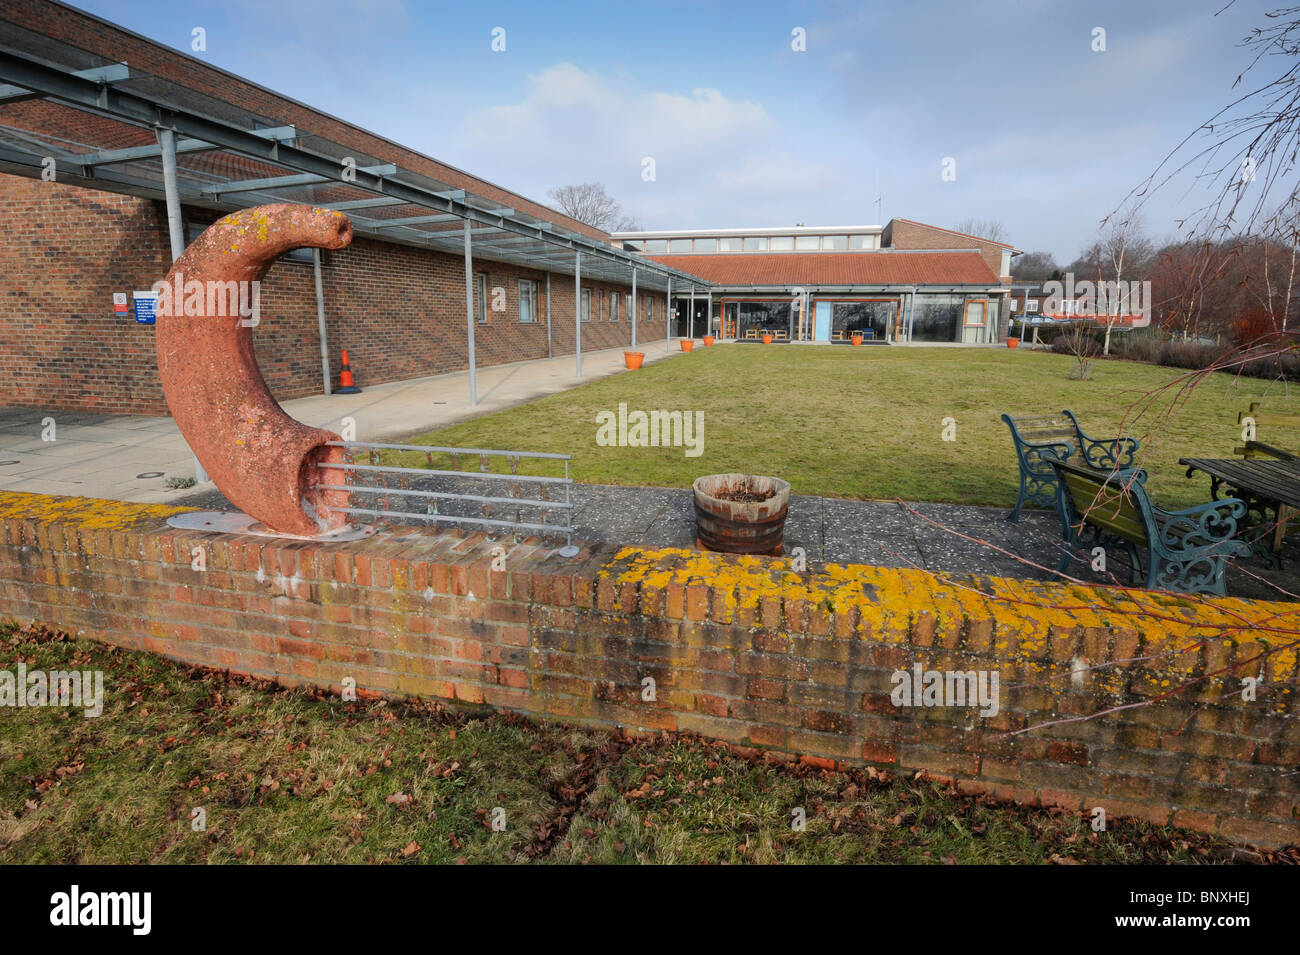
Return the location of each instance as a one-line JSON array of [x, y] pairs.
[[708, 340], [1013, 342], [688, 344], [767, 339], [856, 339], [633, 359]]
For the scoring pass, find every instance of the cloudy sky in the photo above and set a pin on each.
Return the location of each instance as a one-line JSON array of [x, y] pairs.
[[1047, 135]]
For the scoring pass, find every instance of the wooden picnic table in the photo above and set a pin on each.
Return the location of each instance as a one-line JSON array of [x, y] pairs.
[[1261, 482]]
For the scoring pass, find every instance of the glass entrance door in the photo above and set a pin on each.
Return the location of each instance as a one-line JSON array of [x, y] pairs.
[[822, 329]]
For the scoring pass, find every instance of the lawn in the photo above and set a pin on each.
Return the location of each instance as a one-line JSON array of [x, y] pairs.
[[296, 777], [868, 422]]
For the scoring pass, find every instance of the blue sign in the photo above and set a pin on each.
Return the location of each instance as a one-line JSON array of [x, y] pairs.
[[146, 307]]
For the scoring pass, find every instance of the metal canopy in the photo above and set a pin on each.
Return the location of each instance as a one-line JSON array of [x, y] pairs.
[[98, 122]]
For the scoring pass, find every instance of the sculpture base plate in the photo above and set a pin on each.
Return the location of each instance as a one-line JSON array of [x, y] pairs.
[[236, 522]]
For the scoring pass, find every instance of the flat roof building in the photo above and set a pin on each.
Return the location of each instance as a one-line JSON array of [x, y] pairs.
[[898, 283]]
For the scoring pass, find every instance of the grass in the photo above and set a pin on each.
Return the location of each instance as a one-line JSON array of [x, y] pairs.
[[299, 777], [867, 422]]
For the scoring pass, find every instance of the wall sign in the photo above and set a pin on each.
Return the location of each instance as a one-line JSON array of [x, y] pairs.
[[119, 303], [146, 307]]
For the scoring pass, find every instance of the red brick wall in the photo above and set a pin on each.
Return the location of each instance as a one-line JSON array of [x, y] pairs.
[[399, 311], [741, 649], [66, 250], [902, 234]]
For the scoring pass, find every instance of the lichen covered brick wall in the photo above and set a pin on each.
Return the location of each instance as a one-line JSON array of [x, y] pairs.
[[1126, 700]]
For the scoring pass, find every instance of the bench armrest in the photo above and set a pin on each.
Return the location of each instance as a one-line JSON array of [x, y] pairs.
[[1206, 527], [1108, 453], [1038, 458], [1105, 454]]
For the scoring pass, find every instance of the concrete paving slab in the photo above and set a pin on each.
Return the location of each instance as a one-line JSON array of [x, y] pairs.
[[100, 454]]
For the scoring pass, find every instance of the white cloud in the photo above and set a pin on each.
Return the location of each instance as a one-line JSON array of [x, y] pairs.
[[776, 173], [576, 125]]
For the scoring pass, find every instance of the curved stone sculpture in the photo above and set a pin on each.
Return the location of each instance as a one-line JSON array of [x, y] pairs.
[[262, 460]]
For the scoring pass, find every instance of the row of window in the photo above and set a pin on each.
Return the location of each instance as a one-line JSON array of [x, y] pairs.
[[528, 302], [755, 243], [608, 306]]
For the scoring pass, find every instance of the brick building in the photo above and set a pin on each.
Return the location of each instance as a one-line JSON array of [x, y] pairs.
[[97, 117], [905, 282]]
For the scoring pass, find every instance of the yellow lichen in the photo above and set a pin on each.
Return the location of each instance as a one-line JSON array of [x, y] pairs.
[[889, 599]]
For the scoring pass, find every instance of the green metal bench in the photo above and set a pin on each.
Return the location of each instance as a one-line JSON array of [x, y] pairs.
[[1187, 550], [1060, 435]]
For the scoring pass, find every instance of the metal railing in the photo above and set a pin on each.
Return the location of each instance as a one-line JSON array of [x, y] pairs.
[[446, 494]]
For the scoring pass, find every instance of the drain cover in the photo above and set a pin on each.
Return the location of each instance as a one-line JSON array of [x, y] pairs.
[[151, 474]]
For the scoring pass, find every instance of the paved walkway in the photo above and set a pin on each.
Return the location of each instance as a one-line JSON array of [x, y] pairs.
[[104, 455]]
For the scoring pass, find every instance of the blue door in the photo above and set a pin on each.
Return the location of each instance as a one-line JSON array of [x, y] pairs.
[[822, 331]]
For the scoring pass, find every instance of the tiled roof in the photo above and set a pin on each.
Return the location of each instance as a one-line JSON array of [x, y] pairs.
[[836, 268]]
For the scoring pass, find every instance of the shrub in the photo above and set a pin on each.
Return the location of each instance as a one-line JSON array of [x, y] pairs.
[[1141, 344], [1285, 365], [1252, 327], [1179, 354]]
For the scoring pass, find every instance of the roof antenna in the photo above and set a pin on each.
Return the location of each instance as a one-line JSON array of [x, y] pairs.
[[880, 199]]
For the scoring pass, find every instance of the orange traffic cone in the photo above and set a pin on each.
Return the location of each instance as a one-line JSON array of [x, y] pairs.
[[346, 385]]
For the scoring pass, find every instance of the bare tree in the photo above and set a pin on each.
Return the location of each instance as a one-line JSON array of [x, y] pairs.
[[589, 202], [1124, 245], [1249, 151], [1035, 267], [990, 229]]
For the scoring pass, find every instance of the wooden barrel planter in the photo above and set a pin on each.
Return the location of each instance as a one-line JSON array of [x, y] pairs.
[[708, 340], [688, 344], [633, 359], [740, 513], [767, 338]]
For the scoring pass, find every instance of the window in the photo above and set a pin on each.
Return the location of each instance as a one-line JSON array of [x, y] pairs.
[[613, 307], [975, 312], [729, 245], [480, 298], [630, 316], [630, 245], [527, 301], [835, 243], [808, 243], [756, 244], [782, 243], [706, 245], [679, 245], [656, 245], [861, 242], [649, 310], [586, 305]]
